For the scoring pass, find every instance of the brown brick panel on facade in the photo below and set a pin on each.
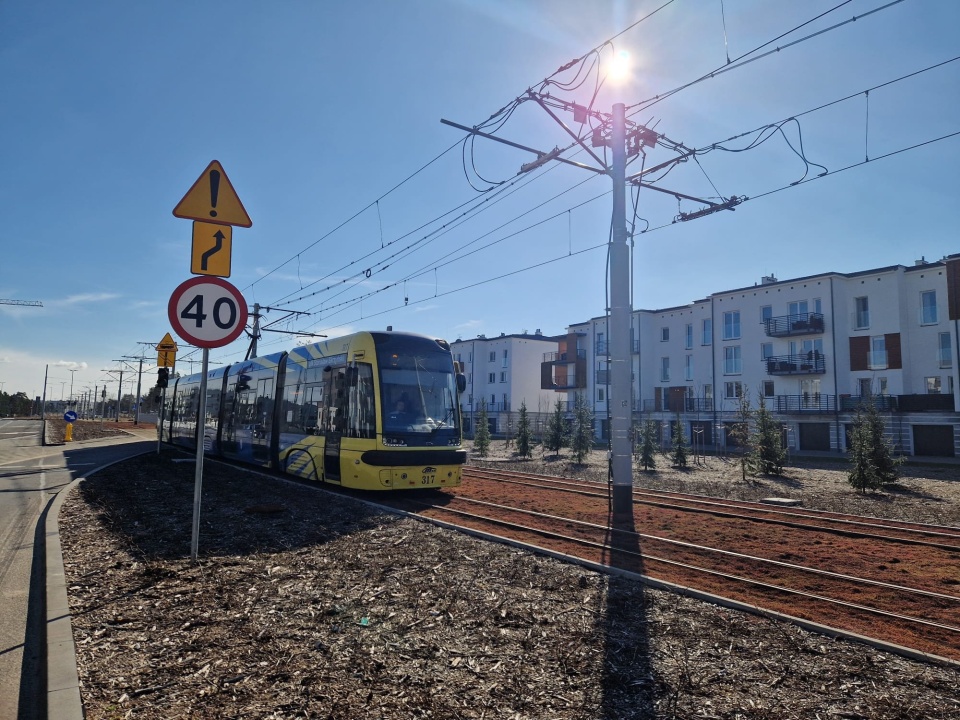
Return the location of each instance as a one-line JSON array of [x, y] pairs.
[[894, 354], [859, 352], [953, 289]]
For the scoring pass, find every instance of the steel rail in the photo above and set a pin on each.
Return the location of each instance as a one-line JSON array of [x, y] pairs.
[[770, 520], [728, 576]]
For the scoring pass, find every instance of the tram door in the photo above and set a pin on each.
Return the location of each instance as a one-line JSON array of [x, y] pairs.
[[334, 421]]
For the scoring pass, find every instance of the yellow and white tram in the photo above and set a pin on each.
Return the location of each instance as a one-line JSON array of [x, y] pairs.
[[372, 410]]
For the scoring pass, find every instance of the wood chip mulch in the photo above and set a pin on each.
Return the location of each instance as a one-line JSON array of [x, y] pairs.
[[311, 605]]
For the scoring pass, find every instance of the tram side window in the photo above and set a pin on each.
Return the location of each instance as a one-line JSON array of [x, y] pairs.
[[361, 418], [213, 403], [334, 410], [263, 423], [302, 409]]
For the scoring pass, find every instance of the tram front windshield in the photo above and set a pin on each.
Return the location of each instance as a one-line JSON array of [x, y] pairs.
[[418, 389]]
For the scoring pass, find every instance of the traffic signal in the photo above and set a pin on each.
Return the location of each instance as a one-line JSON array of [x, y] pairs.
[[163, 376]]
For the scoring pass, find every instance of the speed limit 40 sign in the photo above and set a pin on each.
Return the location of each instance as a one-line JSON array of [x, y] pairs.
[[207, 312]]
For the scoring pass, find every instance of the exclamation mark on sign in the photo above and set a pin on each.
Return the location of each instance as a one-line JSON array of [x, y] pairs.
[[214, 190]]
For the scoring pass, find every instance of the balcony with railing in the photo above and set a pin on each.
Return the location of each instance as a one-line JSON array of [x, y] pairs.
[[674, 405], [806, 403], [852, 403], [565, 357], [808, 323], [602, 347], [491, 407], [808, 363]]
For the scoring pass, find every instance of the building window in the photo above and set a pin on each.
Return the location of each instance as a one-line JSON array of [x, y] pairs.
[[766, 314], [945, 353], [708, 394], [492, 377], [882, 386], [707, 337], [766, 351], [798, 307], [933, 385], [928, 307], [861, 319], [731, 360], [732, 390], [493, 356], [688, 336], [600, 394], [768, 388], [866, 387], [503, 376], [664, 334], [878, 353], [731, 325], [664, 369], [493, 401], [688, 367]]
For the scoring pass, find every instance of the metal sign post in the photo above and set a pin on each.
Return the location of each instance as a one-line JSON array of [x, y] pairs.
[[198, 476], [206, 311], [163, 402]]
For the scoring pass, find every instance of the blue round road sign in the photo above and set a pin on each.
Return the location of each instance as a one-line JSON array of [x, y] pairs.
[[69, 416]]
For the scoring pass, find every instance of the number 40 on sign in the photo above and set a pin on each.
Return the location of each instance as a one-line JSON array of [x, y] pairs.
[[207, 312]]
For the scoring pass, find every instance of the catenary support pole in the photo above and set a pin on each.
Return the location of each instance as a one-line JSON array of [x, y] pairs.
[[119, 394], [136, 416], [619, 270]]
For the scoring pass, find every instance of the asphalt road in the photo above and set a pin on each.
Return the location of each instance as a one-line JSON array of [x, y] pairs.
[[30, 476]]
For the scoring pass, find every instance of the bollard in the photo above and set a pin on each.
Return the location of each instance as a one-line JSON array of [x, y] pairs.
[[68, 433]]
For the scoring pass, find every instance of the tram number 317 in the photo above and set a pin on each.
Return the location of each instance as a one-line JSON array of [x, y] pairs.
[[224, 312], [429, 476]]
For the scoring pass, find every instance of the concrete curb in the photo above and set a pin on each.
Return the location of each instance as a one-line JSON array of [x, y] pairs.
[[63, 683]]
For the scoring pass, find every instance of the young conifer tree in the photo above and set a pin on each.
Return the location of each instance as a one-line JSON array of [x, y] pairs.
[[648, 446], [556, 430], [873, 463], [582, 429], [678, 455], [523, 432], [769, 455], [481, 438]]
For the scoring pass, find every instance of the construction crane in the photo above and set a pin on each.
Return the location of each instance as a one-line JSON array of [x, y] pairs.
[[31, 303]]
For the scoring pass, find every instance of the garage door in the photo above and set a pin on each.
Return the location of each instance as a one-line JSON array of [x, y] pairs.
[[934, 440], [814, 436]]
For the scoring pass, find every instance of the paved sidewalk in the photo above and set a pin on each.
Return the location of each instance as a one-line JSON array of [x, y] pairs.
[[63, 683]]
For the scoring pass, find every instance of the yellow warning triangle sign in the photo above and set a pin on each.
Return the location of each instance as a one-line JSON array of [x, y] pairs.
[[167, 343], [212, 199]]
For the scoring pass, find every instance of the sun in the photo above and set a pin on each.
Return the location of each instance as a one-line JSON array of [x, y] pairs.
[[620, 65]]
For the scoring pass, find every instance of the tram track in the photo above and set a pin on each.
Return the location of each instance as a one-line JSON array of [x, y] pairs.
[[900, 605], [938, 536]]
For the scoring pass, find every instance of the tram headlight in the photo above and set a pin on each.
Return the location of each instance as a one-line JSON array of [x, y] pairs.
[[394, 442]]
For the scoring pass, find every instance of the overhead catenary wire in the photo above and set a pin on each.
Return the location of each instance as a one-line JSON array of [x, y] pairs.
[[357, 214], [805, 179], [745, 60]]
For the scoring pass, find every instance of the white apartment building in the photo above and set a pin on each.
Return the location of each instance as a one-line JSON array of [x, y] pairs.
[[504, 372], [814, 347]]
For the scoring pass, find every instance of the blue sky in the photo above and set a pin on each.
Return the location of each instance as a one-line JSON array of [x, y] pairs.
[[319, 110]]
